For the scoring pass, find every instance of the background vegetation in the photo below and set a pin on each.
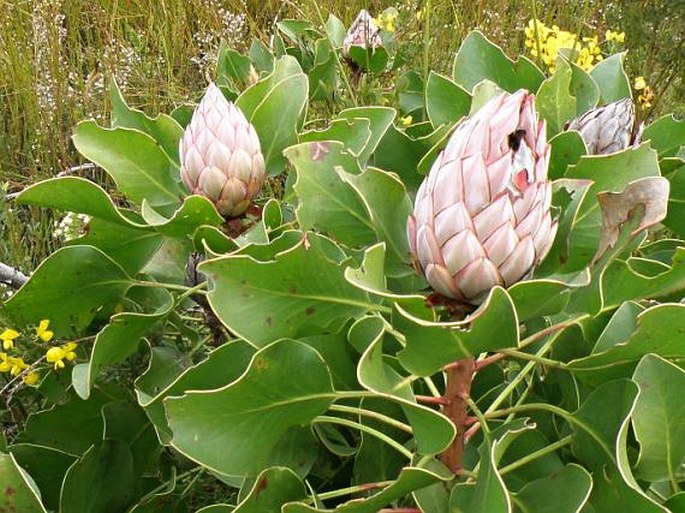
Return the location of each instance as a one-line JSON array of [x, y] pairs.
[[57, 57]]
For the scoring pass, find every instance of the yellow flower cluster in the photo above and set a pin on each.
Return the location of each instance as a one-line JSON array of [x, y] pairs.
[[386, 20], [14, 364], [618, 37], [646, 95], [546, 42]]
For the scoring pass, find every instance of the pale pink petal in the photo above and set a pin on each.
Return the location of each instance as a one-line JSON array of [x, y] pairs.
[[519, 262], [476, 278], [461, 250]]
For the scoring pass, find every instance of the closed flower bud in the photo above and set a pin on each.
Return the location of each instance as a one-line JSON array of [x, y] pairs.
[[220, 154], [608, 129], [364, 33], [482, 215]]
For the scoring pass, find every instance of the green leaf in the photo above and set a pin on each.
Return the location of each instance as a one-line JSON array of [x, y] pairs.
[[432, 431], [536, 298], [327, 199], [584, 88], [131, 248], [619, 328], [599, 421], [489, 494], [667, 135], [611, 493], [232, 68], [659, 331], [555, 102], [261, 56], [479, 59], [373, 60], [55, 428], [222, 366], [196, 211], [635, 163], [69, 288], [278, 298], [164, 129], [611, 79], [567, 149], [272, 489], [410, 93], [274, 106], [18, 489], [430, 345], [47, 468], [446, 102], [101, 481], [114, 343], [78, 195], [656, 419], [675, 219], [323, 77], [353, 133], [133, 159], [565, 491], [380, 120], [409, 480], [335, 29], [250, 417]]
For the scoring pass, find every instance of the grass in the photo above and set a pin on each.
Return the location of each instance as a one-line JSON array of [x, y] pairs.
[[57, 57]]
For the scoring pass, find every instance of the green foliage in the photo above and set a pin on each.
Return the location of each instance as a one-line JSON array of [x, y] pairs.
[[293, 361]]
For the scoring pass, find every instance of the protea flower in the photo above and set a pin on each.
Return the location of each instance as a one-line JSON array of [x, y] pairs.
[[220, 155], [608, 129], [364, 33], [482, 215]]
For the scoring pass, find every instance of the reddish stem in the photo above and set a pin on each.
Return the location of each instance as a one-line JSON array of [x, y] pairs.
[[459, 376], [429, 399]]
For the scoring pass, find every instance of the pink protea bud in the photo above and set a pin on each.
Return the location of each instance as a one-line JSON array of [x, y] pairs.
[[221, 158], [608, 129], [482, 215], [364, 33]]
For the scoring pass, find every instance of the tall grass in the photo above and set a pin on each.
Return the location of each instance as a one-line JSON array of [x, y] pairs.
[[57, 57]]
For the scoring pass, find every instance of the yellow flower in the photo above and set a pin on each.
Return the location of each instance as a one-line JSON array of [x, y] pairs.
[[386, 21], [42, 331], [8, 337], [57, 355], [18, 366], [5, 364], [406, 121], [640, 83], [645, 99], [31, 378], [619, 37]]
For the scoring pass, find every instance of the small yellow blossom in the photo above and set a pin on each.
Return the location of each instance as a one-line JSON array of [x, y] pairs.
[[18, 366], [406, 121], [646, 97], [57, 355], [619, 37], [8, 337], [640, 83], [31, 378], [421, 14], [386, 21], [5, 363], [42, 331]]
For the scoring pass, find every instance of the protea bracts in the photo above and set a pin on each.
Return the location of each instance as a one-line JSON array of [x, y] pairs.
[[608, 129], [364, 33], [482, 216], [220, 154]]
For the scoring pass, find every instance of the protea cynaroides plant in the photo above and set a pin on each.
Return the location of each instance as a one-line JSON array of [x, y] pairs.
[[608, 129], [364, 33], [482, 216], [221, 158]]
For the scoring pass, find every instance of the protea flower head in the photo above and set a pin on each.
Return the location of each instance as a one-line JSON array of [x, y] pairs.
[[482, 215], [364, 33], [609, 128], [221, 158]]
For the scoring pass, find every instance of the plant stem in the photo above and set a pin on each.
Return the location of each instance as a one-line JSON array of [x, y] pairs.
[[350, 490], [372, 415], [12, 277], [533, 358], [426, 41], [537, 454], [197, 288], [366, 429], [459, 376]]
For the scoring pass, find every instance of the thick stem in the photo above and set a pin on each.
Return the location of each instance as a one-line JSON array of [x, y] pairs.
[[11, 277], [459, 376]]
